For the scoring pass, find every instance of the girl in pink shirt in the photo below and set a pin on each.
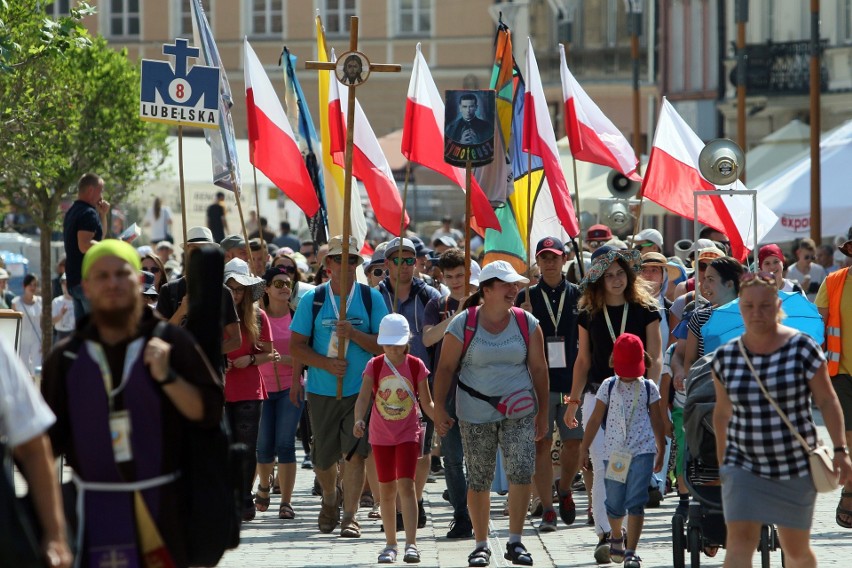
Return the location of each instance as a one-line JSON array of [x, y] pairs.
[[396, 381]]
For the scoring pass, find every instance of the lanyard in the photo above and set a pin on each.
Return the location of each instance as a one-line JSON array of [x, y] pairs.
[[558, 317], [609, 322], [402, 380], [97, 353], [348, 301], [628, 421]]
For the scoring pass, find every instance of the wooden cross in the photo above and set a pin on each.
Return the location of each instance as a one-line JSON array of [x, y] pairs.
[[352, 69]]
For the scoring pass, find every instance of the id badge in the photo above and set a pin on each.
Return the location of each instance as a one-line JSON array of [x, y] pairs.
[[619, 465], [119, 428], [332, 346], [556, 353]]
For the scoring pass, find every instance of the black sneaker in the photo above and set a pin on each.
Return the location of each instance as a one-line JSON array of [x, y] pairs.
[[654, 497], [421, 515], [460, 528], [446, 495]]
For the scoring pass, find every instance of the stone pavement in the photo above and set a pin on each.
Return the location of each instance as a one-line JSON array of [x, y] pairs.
[[270, 542]]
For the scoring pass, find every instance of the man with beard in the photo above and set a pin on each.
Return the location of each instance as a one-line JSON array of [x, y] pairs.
[[123, 403]]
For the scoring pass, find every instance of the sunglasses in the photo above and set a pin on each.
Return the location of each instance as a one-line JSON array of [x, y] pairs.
[[644, 245], [152, 269], [280, 283], [338, 258], [377, 272], [761, 276], [406, 261]]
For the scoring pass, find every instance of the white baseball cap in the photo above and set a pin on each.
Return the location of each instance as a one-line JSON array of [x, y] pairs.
[[393, 330], [475, 271], [501, 270], [650, 235]]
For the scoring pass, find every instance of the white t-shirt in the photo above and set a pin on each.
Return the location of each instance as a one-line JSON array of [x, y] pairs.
[[23, 413], [626, 428], [158, 227], [817, 274], [67, 322]]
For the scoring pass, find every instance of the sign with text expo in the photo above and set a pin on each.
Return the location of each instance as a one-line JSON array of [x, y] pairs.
[[177, 94]]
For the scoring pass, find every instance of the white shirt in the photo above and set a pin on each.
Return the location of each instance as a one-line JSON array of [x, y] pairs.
[[625, 429], [23, 413], [158, 227], [67, 322]]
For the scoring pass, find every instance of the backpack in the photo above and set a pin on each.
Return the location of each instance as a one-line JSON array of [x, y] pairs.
[[609, 395], [320, 293], [210, 483]]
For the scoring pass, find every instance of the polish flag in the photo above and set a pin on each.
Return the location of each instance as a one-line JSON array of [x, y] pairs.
[[540, 140], [592, 136], [273, 148], [369, 163], [673, 175], [423, 139]]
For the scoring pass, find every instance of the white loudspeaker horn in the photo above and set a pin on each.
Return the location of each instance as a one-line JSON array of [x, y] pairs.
[[721, 161], [620, 186]]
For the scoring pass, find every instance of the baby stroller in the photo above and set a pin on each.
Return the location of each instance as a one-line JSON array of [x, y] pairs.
[[704, 528]]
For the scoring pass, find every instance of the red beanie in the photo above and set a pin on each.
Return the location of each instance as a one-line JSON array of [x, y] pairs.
[[628, 356], [769, 250]]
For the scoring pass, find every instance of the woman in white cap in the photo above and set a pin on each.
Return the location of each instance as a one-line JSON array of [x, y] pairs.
[[398, 382], [503, 374], [244, 387]]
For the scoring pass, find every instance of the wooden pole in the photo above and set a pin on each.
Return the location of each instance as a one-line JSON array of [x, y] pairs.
[[259, 226], [741, 17], [636, 23], [529, 222], [577, 195], [467, 215], [816, 119], [180, 177], [242, 220], [401, 229]]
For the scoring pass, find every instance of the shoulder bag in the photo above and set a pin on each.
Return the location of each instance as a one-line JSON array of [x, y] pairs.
[[820, 457]]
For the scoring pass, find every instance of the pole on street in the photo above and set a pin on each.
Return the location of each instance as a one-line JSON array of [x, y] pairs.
[[741, 15], [816, 119]]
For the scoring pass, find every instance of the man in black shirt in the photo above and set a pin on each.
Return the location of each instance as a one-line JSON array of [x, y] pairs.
[[216, 221], [81, 229], [553, 301]]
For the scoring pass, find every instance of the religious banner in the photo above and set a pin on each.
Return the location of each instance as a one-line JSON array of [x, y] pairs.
[[469, 127]]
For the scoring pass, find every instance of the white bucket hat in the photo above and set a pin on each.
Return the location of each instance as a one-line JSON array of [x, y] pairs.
[[236, 269], [393, 330]]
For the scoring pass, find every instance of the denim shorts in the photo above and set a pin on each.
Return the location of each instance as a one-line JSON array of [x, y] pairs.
[[279, 419], [630, 497]]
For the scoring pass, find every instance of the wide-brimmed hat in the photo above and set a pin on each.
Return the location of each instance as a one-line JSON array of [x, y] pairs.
[[674, 271], [603, 258], [237, 269], [709, 253], [199, 236], [846, 248], [501, 270]]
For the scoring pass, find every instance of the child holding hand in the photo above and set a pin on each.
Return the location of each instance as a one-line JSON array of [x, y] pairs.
[[634, 443], [397, 383]]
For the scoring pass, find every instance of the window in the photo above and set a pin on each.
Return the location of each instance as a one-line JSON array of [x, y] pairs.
[[59, 8], [123, 18], [267, 17], [414, 17], [336, 16], [184, 27]]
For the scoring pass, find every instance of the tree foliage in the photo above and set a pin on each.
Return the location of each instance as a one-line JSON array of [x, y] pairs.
[[69, 104]]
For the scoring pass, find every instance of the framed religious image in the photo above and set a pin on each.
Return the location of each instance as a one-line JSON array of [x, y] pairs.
[[353, 68], [10, 328], [469, 127]]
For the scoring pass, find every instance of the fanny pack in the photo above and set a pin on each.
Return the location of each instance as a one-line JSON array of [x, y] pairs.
[[513, 405]]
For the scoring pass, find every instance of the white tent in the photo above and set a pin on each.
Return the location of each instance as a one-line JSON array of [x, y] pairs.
[[777, 151], [787, 193]]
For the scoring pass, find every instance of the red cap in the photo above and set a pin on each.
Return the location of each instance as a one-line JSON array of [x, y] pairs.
[[767, 251], [598, 233], [628, 356]]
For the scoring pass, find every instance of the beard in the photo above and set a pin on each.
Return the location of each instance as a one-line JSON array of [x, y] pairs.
[[124, 318]]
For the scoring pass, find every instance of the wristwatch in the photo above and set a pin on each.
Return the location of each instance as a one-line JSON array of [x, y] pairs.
[[171, 377], [843, 449], [252, 359]]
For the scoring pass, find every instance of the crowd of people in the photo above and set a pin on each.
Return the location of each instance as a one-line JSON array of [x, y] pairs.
[[481, 370]]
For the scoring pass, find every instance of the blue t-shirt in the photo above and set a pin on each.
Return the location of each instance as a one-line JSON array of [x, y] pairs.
[[321, 381]]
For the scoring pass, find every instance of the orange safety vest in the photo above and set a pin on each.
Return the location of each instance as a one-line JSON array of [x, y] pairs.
[[834, 282]]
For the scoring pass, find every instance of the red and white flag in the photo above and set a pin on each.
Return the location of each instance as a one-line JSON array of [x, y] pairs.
[[423, 138], [540, 140], [673, 175], [592, 136], [369, 163], [273, 148]]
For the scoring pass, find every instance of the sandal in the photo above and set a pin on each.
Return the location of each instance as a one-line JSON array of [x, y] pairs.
[[412, 555], [329, 516], [616, 549], [632, 561], [841, 512], [517, 553], [375, 513], [388, 555], [480, 557], [261, 503], [285, 511], [367, 501], [350, 528]]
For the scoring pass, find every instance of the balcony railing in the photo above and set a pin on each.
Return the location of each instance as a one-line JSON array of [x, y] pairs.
[[781, 68]]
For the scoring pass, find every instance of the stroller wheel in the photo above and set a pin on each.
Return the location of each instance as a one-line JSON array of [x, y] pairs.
[[678, 542], [694, 540]]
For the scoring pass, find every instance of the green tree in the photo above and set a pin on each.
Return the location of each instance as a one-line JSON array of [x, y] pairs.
[[69, 104]]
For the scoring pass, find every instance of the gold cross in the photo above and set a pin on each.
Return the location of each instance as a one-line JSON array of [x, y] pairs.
[[352, 69]]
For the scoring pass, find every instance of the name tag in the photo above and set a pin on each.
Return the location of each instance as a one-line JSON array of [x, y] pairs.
[[619, 465], [119, 428], [332, 346], [556, 353]]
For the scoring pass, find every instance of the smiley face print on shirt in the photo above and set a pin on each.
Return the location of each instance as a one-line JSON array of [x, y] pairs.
[[392, 399]]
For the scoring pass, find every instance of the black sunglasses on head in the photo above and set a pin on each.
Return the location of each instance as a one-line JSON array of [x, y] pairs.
[[287, 268]]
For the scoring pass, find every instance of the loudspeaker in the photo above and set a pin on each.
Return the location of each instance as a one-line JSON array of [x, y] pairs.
[[620, 186], [721, 161], [682, 248]]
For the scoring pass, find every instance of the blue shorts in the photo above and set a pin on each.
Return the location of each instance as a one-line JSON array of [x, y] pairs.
[[630, 497]]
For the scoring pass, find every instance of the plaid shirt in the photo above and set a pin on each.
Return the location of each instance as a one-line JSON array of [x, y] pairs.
[[758, 440]]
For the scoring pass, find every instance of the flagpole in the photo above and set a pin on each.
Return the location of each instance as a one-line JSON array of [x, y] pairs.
[[529, 221], [257, 206], [237, 192], [467, 255], [577, 193], [180, 177], [401, 229]]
